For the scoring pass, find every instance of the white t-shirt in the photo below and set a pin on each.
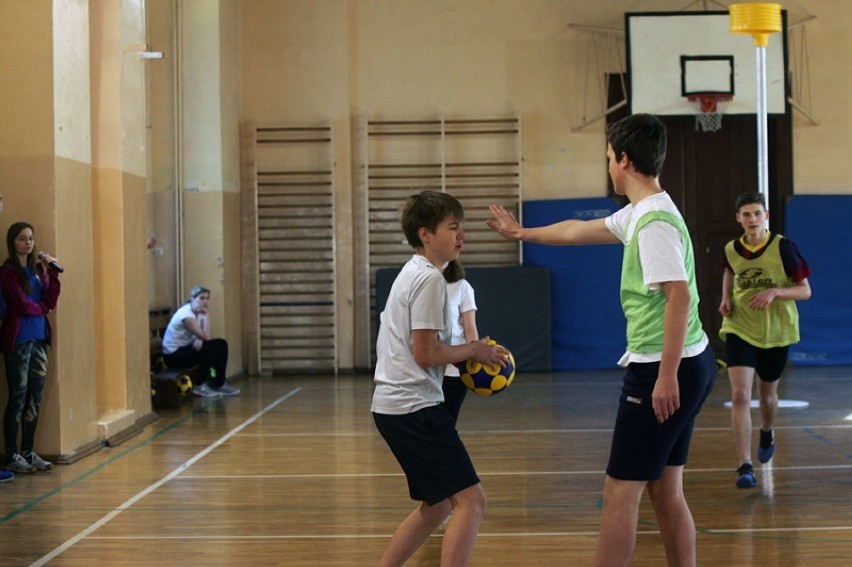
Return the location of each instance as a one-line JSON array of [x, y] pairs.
[[461, 299], [177, 335], [417, 300], [661, 253], [660, 243]]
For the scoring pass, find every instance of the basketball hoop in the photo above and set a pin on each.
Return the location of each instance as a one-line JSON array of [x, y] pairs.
[[709, 109]]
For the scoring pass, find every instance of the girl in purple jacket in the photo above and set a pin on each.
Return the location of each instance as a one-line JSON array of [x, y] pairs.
[[30, 288]]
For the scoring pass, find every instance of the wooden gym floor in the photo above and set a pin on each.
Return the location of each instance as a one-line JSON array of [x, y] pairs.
[[294, 473]]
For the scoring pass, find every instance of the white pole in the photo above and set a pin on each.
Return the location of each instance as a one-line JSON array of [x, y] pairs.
[[760, 19], [762, 131]]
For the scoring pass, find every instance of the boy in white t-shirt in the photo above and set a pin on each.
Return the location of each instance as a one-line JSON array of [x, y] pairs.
[[412, 351], [670, 367]]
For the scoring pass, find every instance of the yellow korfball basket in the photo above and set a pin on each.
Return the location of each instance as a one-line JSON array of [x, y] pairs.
[[758, 19]]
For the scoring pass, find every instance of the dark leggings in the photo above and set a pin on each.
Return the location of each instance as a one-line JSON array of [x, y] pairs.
[[212, 360], [454, 393]]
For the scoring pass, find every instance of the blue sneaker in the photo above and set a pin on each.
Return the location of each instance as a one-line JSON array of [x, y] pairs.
[[767, 446], [746, 476], [6, 476]]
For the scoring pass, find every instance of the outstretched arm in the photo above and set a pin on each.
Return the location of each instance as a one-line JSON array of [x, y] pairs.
[[566, 232]]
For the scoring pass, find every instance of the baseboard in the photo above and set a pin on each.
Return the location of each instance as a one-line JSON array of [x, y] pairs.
[[78, 453]]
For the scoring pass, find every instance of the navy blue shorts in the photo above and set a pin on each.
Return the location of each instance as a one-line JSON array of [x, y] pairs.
[[641, 446], [430, 452], [769, 363]]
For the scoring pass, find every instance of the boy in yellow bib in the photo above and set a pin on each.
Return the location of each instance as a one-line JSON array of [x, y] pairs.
[[764, 276]]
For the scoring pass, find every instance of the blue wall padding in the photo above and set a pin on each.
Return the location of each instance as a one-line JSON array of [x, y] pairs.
[[818, 224], [588, 324]]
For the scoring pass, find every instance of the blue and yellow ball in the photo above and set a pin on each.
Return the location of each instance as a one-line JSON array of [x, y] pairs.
[[184, 384], [488, 380]]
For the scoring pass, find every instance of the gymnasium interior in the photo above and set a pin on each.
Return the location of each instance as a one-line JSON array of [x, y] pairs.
[[262, 148]]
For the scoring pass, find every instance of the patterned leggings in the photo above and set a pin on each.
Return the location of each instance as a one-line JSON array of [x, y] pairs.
[[26, 373]]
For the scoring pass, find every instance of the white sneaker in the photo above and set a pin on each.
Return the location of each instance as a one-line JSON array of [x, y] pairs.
[[18, 464], [205, 391], [38, 463], [228, 390]]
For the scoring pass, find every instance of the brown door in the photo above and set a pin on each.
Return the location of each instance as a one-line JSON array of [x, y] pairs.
[[704, 172]]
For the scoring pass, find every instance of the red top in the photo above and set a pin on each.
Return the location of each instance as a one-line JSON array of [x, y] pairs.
[[19, 305]]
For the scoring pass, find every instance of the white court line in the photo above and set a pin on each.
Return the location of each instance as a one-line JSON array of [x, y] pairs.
[[370, 433], [231, 537], [771, 530], [285, 537], [140, 495], [481, 473]]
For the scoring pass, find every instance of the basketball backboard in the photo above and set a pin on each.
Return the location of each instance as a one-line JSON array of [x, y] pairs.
[[671, 55]]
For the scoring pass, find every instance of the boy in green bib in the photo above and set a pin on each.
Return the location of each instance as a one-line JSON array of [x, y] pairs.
[[670, 368]]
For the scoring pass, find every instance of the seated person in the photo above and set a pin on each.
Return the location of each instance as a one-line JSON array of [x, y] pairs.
[[187, 342]]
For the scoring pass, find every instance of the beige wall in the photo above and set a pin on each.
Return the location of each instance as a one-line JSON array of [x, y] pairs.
[[73, 164], [338, 60], [821, 165], [341, 61], [162, 155], [26, 147], [211, 168], [212, 259]]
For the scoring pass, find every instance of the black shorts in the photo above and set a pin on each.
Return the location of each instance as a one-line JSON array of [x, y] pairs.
[[430, 452], [769, 363], [643, 447]]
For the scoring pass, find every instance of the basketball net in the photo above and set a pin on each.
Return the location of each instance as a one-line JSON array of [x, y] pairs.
[[709, 109]]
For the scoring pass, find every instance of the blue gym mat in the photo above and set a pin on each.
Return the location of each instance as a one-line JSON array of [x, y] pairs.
[[588, 325], [815, 223]]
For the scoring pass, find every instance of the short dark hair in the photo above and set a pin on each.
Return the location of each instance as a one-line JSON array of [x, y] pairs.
[[749, 198], [427, 209], [454, 271], [643, 138]]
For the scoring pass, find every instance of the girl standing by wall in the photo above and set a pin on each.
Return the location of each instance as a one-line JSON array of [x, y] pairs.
[[30, 288]]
